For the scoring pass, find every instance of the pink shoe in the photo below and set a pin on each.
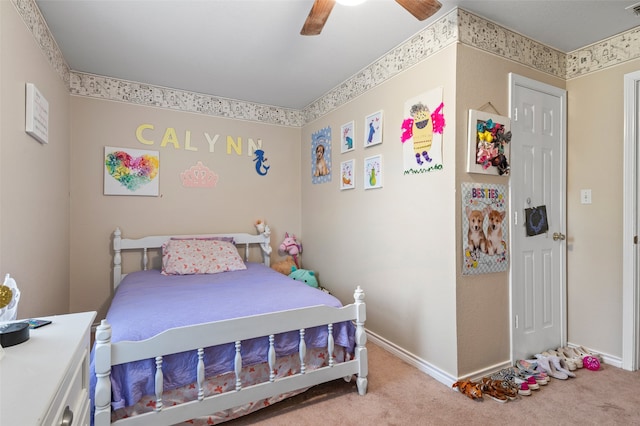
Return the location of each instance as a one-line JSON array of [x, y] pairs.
[[591, 363], [530, 368], [524, 389], [519, 378], [532, 383]]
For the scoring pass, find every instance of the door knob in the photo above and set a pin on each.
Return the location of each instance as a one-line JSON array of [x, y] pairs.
[[67, 417], [558, 236]]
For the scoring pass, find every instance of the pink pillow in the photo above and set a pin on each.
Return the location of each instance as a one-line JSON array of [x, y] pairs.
[[188, 257]]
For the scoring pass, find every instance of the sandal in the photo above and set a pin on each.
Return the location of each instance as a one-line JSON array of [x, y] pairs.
[[504, 374], [515, 378], [496, 390], [511, 389], [469, 388]]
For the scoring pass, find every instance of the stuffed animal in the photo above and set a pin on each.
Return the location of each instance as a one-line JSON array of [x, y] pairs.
[[304, 275], [292, 247], [284, 266]]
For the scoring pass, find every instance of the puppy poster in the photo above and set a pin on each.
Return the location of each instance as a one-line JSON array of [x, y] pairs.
[[484, 228], [321, 156]]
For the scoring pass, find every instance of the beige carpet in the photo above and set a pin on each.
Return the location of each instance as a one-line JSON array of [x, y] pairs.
[[399, 394]]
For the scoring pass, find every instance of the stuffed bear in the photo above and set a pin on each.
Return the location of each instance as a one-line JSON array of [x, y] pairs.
[[304, 275], [284, 266]]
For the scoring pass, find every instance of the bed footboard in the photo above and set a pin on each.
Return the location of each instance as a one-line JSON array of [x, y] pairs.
[[198, 337]]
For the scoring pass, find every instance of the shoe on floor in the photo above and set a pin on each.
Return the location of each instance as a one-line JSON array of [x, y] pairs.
[[531, 368], [547, 365], [591, 363], [586, 352], [524, 389]]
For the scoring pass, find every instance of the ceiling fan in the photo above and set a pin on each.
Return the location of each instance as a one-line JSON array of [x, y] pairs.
[[421, 9]]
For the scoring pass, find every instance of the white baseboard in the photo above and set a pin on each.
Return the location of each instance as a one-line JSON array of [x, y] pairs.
[[446, 378], [608, 359], [424, 366], [411, 359]]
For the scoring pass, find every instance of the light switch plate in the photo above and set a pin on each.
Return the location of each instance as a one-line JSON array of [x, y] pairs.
[[585, 196]]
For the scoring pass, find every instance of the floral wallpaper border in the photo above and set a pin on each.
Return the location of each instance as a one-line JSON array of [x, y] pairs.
[[604, 54], [457, 26], [485, 35], [33, 19], [96, 86]]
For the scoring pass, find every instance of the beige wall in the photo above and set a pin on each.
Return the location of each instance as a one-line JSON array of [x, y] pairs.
[[594, 232], [482, 301], [396, 242], [240, 197], [401, 243], [34, 178]]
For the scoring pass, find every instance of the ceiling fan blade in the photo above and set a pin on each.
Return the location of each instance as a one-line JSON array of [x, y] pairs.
[[317, 17], [421, 9]]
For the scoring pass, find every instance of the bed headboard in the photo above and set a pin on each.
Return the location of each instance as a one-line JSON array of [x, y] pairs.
[[242, 240]]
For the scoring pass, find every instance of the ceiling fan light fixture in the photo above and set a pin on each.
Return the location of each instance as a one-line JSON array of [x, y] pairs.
[[320, 10], [350, 2]]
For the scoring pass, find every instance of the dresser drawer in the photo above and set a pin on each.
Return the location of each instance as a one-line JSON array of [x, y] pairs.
[[55, 362], [71, 400]]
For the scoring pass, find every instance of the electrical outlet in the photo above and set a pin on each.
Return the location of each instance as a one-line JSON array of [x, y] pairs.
[[585, 196]]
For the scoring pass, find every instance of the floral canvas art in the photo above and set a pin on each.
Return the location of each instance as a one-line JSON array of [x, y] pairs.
[[131, 171]]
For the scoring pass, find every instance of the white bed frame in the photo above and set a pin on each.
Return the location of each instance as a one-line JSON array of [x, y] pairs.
[[200, 336]]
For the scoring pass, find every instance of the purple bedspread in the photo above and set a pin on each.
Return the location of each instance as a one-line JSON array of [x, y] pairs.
[[147, 303]]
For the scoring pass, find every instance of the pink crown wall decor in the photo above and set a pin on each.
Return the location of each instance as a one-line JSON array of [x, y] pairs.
[[199, 176]]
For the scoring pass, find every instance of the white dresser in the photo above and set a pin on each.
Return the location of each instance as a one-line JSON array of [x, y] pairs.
[[45, 380]]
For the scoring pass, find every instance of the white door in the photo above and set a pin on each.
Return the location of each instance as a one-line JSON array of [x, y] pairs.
[[538, 178], [631, 224]]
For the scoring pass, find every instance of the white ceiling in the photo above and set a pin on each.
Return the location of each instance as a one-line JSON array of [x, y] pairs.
[[252, 50]]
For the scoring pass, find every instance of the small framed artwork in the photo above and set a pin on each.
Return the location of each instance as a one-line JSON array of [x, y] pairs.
[[321, 156], [347, 138], [131, 171], [348, 174], [489, 138], [373, 175], [373, 129], [37, 114]]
